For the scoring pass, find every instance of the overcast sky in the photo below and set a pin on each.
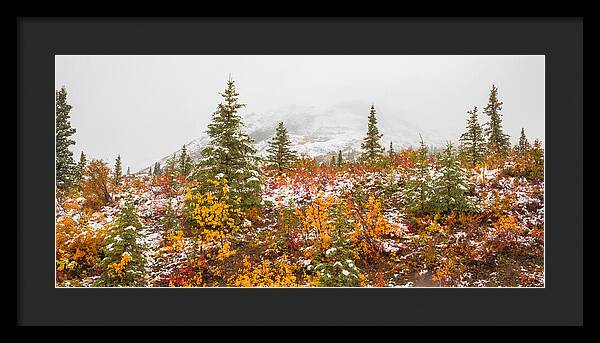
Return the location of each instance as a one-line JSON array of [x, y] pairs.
[[146, 107]]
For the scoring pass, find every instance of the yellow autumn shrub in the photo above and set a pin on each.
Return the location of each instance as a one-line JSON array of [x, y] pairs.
[[316, 221], [266, 273], [370, 226], [498, 204], [78, 247], [504, 238], [211, 211], [448, 274], [225, 251], [507, 225], [174, 242], [118, 269]]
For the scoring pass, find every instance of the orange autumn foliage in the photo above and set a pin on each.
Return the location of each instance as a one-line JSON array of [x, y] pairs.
[[96, 185], [316, 221], [370, 226], [278, 273], [78, 247]]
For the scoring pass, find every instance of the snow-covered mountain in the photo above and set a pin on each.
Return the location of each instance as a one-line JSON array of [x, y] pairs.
[[321, 132]]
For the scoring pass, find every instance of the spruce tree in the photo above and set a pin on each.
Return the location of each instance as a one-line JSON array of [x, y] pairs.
[[536, 156], [418, 190], [66, 171], [81, 167], [170, 170], [185, 163], [117, 172], [498, 142], [169, 222], [337, 267], [128, 171], [280, 155], [472, 141], [171, 166], [230, 152], [340, 160], [123, 264], [451, 183], [332, 163], [157, 169], [523, 146], [391, 152], [372, 150]]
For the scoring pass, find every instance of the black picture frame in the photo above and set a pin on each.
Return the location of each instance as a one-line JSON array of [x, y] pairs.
[[560, 302]]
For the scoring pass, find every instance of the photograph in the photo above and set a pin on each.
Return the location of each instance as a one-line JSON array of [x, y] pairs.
[[299, 171]]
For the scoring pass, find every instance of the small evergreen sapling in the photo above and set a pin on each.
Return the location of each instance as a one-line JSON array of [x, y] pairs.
[[171, 170], [536, 156], [117, 172], [523, 146], [123, 264], [185, 164], [372, 150], [451, 184], [418, 190], [81, 167], [169, 220], [337, 267], [280, 154]]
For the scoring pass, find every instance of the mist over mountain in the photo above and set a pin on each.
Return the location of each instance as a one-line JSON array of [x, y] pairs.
[[321, 132]]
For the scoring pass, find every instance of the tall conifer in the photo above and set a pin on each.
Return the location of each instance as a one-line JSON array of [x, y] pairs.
[[472, 141], [66, 171], [230, 153], [372, 150], [498, 142], [117, 171], [185, 163]]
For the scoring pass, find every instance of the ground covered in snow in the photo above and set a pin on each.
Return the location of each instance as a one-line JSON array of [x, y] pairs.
[[319, 226]]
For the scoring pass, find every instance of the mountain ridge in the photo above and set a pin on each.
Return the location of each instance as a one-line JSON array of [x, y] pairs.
[[320, 132]]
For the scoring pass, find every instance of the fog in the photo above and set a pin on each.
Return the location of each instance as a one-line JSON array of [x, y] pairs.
[[146, 107]]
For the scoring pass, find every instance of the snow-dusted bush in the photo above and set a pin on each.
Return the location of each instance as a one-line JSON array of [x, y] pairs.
[[337, 268], [123, 263], [78, 247]]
